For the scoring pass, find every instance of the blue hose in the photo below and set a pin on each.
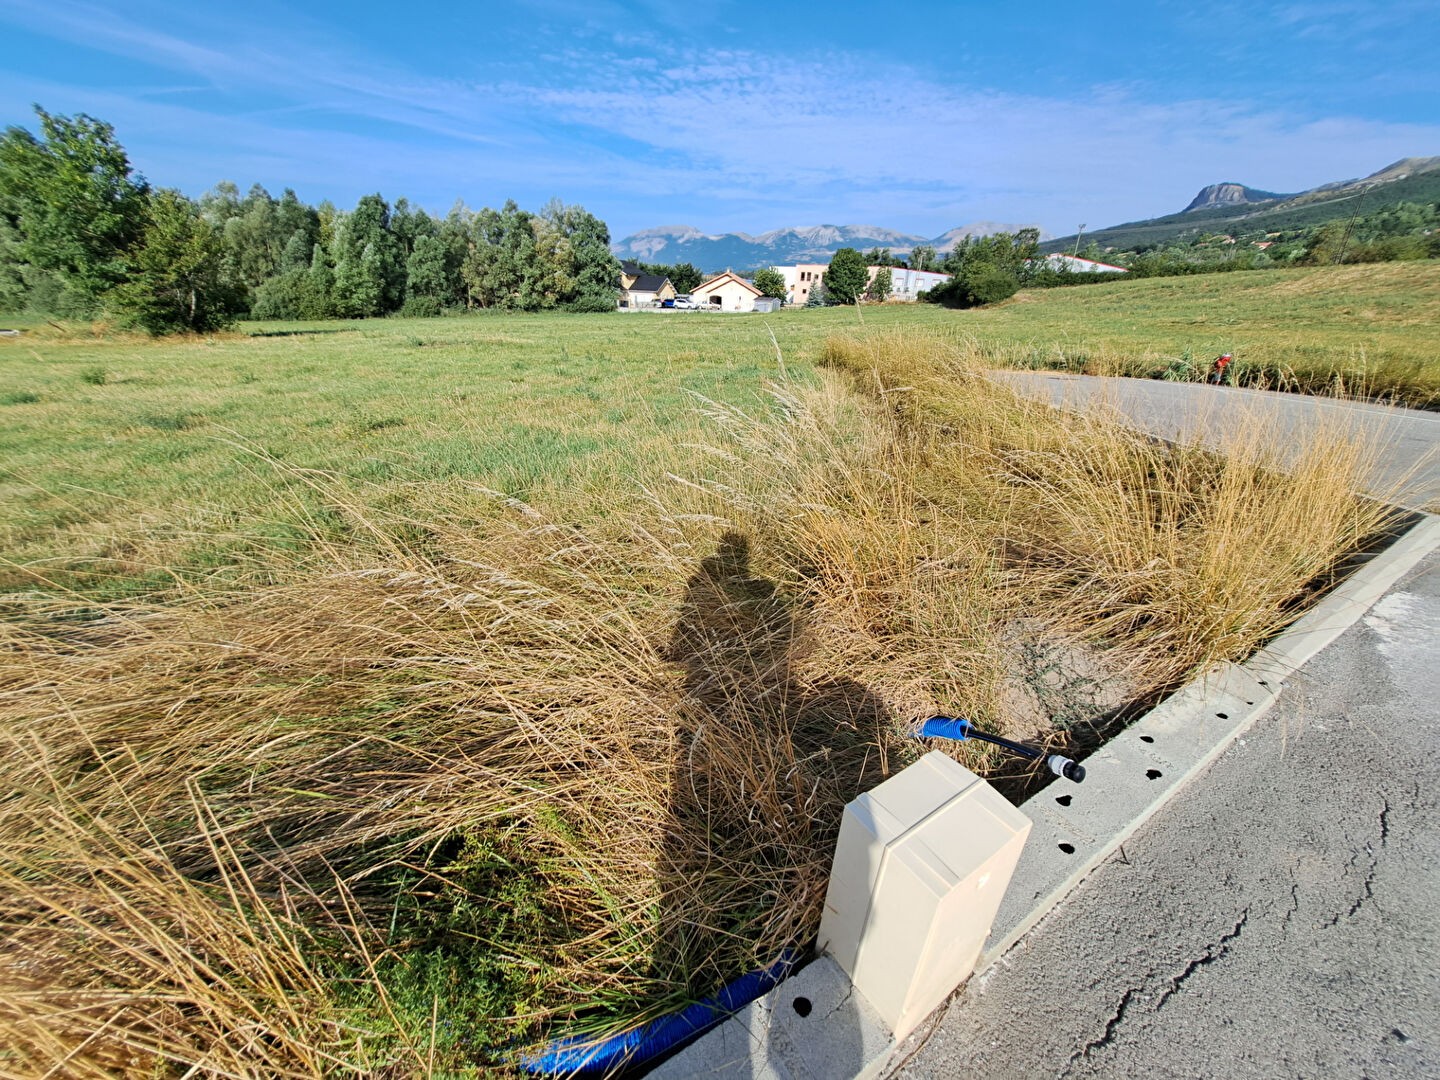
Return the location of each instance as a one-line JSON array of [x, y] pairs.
[[581, 1055], [949, 727], [944, 727]]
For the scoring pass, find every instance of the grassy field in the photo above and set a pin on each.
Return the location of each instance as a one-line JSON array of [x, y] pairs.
[[1368, 331], [125, 459], [386, 697]]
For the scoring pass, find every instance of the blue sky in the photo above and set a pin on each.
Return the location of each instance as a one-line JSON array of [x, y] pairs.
[[744, 117]]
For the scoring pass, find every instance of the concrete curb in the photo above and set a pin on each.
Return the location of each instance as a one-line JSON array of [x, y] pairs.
[[1075, 830]]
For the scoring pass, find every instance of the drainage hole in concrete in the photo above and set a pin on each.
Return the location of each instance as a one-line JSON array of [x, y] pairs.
[[1153, 774], [1223, 715], [1264, 683], [802, 1005], [1147, 738], [1063, 800], [1249, 703], [1068, 849]]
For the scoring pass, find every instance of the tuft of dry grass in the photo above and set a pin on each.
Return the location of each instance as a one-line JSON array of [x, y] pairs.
[[476, 773], [1186, 555]]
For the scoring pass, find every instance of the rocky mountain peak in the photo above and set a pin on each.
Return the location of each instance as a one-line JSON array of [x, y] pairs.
[[1229, 194]]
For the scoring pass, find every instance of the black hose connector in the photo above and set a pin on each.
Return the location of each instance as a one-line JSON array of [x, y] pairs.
[[1066, 767]]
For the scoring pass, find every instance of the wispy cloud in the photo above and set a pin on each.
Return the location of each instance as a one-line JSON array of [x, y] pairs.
[[644, 129]]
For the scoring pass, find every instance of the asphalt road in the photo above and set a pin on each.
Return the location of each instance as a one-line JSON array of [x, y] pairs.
[[1280, 918], [1409, 440]]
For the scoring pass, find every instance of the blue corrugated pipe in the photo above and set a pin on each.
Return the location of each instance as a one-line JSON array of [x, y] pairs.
[[581, 1055]]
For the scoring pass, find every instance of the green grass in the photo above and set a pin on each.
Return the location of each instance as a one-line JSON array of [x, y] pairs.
[[126, 460], [1371, 330], [110, 438]]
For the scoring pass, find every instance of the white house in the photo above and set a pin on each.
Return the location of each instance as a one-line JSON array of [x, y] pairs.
[[725, 292], [909, 284]]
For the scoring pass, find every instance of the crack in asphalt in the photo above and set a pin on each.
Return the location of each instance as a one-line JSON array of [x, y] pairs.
[[1367, 886], [1110, 1027], [1213, 954]]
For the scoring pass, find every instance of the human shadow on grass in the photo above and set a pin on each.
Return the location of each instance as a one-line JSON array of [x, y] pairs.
[[766, 757]]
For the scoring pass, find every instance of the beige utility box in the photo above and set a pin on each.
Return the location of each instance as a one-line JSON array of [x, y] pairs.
[[920, 868]]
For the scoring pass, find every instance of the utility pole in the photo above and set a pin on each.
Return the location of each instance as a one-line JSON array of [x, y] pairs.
[[1078, 233], [1345, 242]]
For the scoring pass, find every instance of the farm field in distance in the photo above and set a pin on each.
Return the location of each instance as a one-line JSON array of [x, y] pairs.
[[413, 692]]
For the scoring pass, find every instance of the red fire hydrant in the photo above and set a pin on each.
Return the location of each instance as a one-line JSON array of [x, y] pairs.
[[1217, 370]]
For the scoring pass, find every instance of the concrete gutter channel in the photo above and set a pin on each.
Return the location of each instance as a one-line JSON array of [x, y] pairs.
[[815, 1025]]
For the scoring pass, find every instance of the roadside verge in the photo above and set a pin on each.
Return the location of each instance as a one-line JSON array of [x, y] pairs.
[[814, 1025]]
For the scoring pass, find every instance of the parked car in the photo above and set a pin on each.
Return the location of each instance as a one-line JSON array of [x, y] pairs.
[[683, 301]]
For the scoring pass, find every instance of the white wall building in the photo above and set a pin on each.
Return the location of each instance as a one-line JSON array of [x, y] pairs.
[[909, 284], [725, 292]]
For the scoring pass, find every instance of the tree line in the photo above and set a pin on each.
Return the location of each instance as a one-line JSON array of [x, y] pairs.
[[83, 234]]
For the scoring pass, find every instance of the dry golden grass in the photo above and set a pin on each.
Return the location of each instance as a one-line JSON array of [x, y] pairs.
[[480, 774]]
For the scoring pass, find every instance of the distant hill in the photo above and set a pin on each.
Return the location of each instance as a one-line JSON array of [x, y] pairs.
[[816, 243], [1229, 194], [1231, 207]]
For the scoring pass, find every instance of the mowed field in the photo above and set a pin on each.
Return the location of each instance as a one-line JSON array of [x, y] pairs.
[[175, 453], [124, 459]]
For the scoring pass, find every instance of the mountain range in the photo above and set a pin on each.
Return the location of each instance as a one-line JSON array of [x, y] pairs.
[[1222, 207], [815, 243]]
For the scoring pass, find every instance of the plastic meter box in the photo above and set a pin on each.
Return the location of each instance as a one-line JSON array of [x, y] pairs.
[[920, 867]]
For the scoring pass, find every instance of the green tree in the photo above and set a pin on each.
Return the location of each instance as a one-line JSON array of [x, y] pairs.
[[254, 239], [177, 277], [986, 283], [880, 257], [296, 255], [76, 205], [369, 276], [221, 203], [409, 225], [319, 286], [846, 278], [770, 282], [922, 257], [501, 258], [13, 289], [428, 289], [686, 277], [592, 271], [882, 286], [293, 217]]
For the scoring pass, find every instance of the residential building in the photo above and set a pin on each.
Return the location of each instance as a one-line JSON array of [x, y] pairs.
[[800, 281], [725, 292], [640, 290], [907, 285]]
